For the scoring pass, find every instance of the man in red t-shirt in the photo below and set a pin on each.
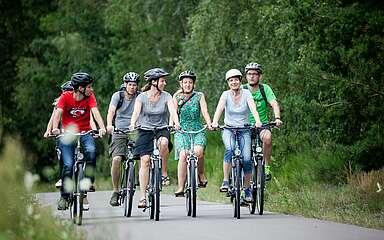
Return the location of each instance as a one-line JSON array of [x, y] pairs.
[[75, 110]]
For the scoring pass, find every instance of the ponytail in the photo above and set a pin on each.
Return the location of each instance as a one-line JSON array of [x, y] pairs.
[[146, 87]]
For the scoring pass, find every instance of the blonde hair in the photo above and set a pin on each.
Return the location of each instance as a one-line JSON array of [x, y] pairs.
[[146, 87]]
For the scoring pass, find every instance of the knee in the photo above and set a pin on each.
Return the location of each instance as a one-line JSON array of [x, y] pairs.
[[144, 162], [267, 138], [116, 160], [164, 144]]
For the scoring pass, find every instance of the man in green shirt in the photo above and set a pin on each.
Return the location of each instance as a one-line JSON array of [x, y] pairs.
[[253, 72]]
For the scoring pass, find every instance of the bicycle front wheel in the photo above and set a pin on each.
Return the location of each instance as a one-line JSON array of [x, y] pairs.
[[237, 178], [78, 196], [156, 193], [193, 187], [130, 189], [260, 187]]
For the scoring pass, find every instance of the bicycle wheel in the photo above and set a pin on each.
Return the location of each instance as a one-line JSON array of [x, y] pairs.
[[260, 186], [237, 179], [252, 206], [130, 189], [78, 196], [193, 187], [156, 193], [188, 201]]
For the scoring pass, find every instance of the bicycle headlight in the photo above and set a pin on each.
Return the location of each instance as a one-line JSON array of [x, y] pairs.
[[259, 149], [237, 152], [156, 152]]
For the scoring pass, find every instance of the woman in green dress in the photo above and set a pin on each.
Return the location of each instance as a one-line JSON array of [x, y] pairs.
[[189, 105]]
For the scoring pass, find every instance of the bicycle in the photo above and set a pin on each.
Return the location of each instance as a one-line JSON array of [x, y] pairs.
[[127, 171], [258, 171], [236, 174], [81, 184], [155, 187], [192, 166]]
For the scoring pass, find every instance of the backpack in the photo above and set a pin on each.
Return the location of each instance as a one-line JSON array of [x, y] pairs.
[[261, 87]]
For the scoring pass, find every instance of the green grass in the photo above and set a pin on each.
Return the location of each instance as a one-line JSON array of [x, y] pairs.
[[21, 216]]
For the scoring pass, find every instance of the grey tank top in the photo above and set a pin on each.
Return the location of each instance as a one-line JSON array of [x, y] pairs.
[[153, 114], [236, 115]]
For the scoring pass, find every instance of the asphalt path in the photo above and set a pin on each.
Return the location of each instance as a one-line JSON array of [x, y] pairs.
[[213, 221]]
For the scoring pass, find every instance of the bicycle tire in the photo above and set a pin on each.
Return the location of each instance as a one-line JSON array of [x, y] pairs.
[[237, 193], [188, 202], [79, 196], [260, 183], [252, 207], [130, 189], [151, 199], [156, 194], [193, 187], [123, 191]]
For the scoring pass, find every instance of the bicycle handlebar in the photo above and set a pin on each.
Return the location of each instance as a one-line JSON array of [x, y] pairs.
[[92, 132], [193, 132], [169, 127], [120, 131]]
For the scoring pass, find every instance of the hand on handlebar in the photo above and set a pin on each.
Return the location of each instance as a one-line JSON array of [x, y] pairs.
[[56, 131], [110, 129], [278, 122], [102, 132], [258, 124]]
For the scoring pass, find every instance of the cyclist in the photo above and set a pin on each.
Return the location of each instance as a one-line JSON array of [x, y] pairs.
[[189, 105], [253, 72], [151, 110], [75, 108], [121, 114], [64, 87], [237, 103]]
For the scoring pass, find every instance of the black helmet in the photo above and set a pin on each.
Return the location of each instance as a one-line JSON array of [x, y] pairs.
[[254, 66], [81, 79], [131, 77], [155, 73], [188, 74], [67, 86]]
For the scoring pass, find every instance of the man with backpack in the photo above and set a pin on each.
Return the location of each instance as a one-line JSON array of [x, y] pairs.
[[119, 117], [262, 95]]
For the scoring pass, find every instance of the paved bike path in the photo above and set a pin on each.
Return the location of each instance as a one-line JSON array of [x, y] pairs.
[[213, 221]]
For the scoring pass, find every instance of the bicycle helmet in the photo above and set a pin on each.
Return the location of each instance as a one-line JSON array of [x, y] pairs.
[[187, 73], [131, 77], [154, 74], [254, 66], [66, 86], [233, 73], [81, 79]]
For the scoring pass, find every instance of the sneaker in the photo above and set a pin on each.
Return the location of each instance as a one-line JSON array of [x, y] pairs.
[[268, 173], [248, 195], [224, 187], [85, 204], [58, 184], [114, 199], [62, 204]]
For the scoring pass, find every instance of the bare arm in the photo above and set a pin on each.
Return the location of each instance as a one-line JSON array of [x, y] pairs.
[[252, 107], [204, 111], [99, 120], [175, 104], [136, 113], [173, 113], [110, 115], [276, 112], [219, 110], [50, 123], [92, 123], [56, 120]]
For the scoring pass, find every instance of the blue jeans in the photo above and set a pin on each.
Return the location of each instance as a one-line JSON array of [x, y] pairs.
[[244, 144], [68, 157]]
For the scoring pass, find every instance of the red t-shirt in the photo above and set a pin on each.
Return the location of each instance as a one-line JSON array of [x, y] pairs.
[[76, 113]]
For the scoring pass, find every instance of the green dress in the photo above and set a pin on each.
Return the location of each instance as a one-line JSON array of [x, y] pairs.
[[189, 117]]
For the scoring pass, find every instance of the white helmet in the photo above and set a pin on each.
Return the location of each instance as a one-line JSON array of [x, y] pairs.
[[233, 73]]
